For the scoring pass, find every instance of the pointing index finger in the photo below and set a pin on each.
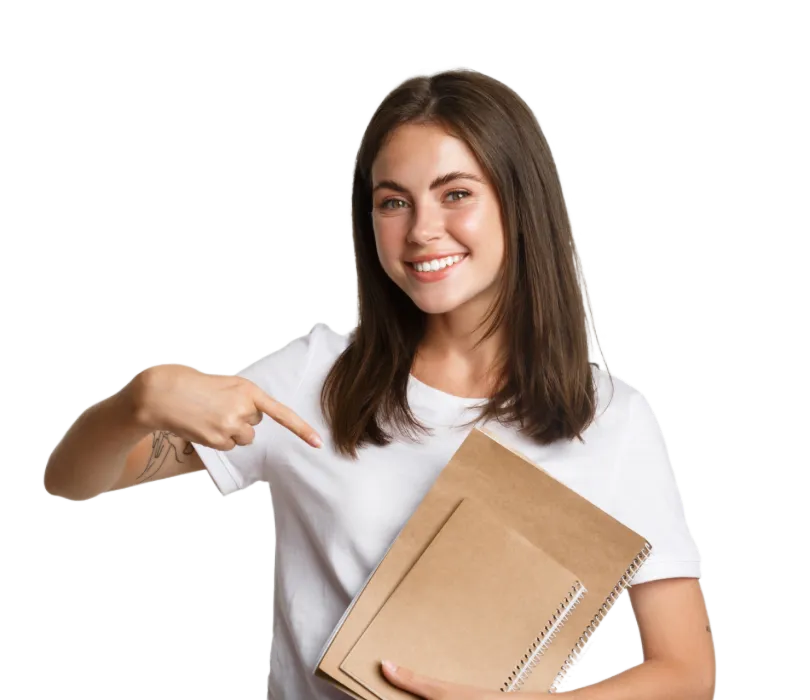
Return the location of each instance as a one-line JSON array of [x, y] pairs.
[[287, 417]]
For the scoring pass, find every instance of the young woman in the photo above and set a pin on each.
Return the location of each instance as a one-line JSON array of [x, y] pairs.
[[470, 313]]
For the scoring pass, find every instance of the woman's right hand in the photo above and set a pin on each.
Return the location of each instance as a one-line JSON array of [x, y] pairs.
[[218, 411]]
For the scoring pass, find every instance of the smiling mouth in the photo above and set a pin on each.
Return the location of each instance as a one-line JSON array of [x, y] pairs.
[[437, 264]]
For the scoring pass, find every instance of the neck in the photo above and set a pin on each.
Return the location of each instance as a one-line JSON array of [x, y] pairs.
[[447, 354]]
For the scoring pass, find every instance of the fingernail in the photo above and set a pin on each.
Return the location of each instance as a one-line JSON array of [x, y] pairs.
[[315, 441], [390, 666]]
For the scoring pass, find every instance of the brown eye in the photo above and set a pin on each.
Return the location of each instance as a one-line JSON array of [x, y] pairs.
[[388, 201]]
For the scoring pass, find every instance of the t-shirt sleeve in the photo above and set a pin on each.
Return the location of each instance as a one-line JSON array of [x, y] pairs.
[[646, 498], [279, 374]]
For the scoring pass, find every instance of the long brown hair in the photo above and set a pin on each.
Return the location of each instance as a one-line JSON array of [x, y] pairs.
[[546, 383]]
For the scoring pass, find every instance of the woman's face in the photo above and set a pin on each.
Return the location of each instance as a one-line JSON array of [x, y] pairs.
[[432, 201]]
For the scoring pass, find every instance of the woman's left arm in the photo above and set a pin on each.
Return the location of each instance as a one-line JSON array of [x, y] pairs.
[[677, 642]]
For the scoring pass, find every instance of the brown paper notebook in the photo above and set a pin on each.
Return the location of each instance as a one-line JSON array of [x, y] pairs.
[[604, 553], [479, 607]]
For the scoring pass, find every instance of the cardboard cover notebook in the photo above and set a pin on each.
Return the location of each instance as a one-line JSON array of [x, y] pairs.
[[480, 606], [603, 553]]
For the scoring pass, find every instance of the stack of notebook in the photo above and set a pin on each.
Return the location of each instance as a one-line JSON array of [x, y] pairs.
[[497, 580]]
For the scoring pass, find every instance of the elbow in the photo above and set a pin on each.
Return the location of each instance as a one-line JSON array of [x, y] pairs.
[[709, 691], [68, 496], [53, 490], [55, 486], [707, 688], [696, 681], [51, 483], [53, 480], [704, 691], [708, 676], [701, 681]]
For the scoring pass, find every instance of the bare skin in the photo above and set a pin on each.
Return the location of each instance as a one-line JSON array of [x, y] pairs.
[[165, 445], [144, 432]]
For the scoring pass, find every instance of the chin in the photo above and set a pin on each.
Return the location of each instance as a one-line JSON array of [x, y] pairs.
[[436, 304]]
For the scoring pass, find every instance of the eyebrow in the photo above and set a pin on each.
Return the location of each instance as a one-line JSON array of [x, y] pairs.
[[438, 182]]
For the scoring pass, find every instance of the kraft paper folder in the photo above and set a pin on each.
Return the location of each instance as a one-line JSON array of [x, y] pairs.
[[504, 523]]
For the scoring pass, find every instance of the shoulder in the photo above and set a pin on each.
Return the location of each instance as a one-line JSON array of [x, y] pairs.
[[643, 492], [331, 342], [621, 407], [643, 485], [282, 371], [626, 426]]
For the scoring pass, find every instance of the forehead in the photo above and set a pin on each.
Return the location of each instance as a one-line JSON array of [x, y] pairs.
[[419, 152]]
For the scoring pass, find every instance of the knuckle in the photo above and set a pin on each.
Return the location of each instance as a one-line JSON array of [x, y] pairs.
[[232, 424], [222, 442]]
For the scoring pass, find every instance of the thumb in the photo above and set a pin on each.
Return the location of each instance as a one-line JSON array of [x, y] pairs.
[[406, 679]]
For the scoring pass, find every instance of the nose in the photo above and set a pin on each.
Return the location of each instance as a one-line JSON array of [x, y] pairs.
[[427, 226]]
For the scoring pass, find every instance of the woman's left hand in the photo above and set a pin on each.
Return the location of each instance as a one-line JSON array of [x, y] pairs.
[[435, 689]]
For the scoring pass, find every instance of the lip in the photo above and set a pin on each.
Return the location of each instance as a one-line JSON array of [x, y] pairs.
[[434, 256], [437, 276]]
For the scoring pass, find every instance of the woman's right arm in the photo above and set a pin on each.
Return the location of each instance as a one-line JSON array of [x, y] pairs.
[[145, 431], [110, 446]]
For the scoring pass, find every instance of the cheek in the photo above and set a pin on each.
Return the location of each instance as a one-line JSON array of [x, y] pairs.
[[478, 229], [389, 249]]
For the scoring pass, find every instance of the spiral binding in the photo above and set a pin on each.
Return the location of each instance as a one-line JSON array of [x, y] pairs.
[[518, 677], [596, 623]]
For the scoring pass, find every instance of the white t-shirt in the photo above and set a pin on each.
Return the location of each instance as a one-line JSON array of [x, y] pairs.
[[335, 518]]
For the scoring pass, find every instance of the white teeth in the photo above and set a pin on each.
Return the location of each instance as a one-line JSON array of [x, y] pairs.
[[437, 264]]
